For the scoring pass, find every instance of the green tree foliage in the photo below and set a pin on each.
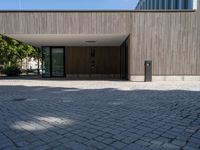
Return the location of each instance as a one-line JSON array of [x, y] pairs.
[[13, 51], [3, 48], [37, 55]]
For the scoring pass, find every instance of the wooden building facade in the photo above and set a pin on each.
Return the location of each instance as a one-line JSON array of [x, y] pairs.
[[171, 39]]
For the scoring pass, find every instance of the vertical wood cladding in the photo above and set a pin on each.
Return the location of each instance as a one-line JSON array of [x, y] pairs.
[[170, 39], [106, 60]]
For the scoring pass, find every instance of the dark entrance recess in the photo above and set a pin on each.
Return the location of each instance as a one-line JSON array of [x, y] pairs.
[[95, 62], [103, 62], [124, 60], [53, 61]]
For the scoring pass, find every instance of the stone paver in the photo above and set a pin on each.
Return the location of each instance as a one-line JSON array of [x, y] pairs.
[[95, 115]]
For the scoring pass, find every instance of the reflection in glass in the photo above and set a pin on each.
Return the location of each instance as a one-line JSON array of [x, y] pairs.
[[57, 62], [46, 62]]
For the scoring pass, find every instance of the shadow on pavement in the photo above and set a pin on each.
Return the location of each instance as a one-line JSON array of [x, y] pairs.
[[45, 117]]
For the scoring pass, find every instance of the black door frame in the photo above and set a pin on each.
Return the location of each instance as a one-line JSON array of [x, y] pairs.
[[124, 49], [50, 53], [126, 59]]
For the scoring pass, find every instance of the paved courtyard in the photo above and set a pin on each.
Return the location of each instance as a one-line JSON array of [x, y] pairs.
[[99, 115]]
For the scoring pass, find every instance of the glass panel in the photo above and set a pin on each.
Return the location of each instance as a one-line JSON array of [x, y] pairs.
[[57, 62], [46, 62], [157, 4], [146, 4], [153, 5], [184, 4], [163, 4], [187, 4], [176, 4], [169, 4], [149, 5]]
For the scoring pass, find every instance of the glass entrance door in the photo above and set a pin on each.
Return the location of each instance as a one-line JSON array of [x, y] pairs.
[[58, 64], [53, 62]]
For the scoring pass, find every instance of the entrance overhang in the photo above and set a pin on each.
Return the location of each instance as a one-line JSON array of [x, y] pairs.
[[80, 55], [39, 40]]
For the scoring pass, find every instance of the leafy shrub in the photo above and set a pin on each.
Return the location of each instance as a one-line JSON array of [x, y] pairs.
[[11, 70]]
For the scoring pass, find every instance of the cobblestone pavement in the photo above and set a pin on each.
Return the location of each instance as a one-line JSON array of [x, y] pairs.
[[95, 115]]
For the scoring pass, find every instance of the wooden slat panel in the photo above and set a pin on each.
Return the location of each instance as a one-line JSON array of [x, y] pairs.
[[198, 39], [52, 22], [65, 22], [1, 24], [77, 60], [10, 22], [86, 23], [107, 60], [133, 49]]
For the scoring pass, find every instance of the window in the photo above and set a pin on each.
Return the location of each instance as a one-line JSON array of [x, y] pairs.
[[169, 4], [153, 4], [146, 2], [176, 4], [163, 4], [184, 4], [157, 4], [149, 4], [53, 63], [190, 4], [57, 62]]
